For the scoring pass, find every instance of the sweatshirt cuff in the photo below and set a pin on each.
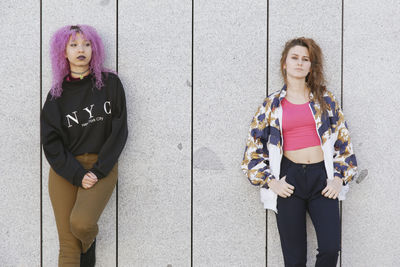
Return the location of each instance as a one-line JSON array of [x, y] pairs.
[[78, 177], [96, 172]]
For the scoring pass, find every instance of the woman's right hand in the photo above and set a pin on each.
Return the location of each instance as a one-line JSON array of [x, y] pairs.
[[281, 188], [89, 180]]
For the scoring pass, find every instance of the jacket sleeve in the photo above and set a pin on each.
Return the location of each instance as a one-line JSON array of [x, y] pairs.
[[344, 159], [255, 162], [60, 159], [112, 148]]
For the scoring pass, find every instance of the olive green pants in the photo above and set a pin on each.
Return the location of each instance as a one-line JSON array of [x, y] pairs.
[[78, 210]]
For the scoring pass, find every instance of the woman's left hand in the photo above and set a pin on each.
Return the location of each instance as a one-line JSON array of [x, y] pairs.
[[333, 188]]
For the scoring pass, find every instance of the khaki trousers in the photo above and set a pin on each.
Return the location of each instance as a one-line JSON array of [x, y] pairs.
[[78, 210]]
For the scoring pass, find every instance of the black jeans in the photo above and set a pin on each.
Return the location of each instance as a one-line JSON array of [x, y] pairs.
[[309, 180]]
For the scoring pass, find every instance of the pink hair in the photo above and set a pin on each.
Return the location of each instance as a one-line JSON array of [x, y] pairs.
[[60, 64]]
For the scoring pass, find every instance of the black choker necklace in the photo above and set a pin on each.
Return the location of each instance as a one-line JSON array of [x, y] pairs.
[[80, 73]]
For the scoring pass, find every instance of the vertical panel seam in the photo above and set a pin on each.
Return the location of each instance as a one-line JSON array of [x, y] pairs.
[[341, 72], [267, 52], [116, 189], [191, 143], [40, 142], [266, 94], [341, 103]]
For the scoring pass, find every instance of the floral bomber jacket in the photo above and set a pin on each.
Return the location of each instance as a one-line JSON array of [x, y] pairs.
[[264, 146]]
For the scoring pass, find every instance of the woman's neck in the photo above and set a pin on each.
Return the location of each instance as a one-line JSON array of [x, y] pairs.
[[297, 90], [79, 71]]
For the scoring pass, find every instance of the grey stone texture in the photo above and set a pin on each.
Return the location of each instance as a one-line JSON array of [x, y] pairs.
[[19, 131], [229, 84], [371, 226], [155, 198]]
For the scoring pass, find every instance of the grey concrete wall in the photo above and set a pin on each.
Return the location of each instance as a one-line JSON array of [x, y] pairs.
[[371, 234], [229, 69], [182, 199], [155, 198], [19, 131]]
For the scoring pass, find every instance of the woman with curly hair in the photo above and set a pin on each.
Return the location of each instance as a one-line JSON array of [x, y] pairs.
[[83, 131], [299, 153]]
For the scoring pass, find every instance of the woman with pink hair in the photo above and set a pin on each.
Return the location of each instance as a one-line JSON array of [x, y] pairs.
[[83, 131]]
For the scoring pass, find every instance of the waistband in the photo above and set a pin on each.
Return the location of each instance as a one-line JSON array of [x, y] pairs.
[[320, 164], [87, 157]]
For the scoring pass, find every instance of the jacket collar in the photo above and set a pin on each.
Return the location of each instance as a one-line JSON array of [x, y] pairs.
[[283, 92]]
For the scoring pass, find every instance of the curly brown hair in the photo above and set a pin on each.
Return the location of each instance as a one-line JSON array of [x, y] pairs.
[[315, 79]]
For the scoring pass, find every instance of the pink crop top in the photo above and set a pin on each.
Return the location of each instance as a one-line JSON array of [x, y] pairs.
[[298, 126]]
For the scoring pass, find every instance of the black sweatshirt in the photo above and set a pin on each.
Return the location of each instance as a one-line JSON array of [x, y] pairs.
[[85, 120]]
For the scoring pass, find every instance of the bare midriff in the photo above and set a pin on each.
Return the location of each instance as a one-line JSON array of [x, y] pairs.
[[306, 155]]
